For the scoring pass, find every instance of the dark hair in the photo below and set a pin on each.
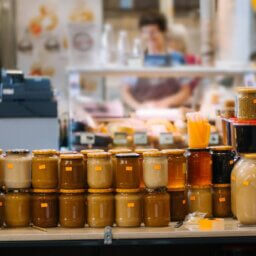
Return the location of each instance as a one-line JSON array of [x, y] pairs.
[[153, 18], [253, 56]]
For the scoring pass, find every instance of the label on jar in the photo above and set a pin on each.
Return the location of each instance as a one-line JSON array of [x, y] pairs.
[[10, 166], [166, 138], [87, 138], [98, 168], [231, 162], [68, 169], [1, 204], [120, 138], [222, 199], [192, 198], [128, 168], [157, 167], [44, 205], [246, 183], [130, 205], [183, 201], [41, 167], [140, 138]]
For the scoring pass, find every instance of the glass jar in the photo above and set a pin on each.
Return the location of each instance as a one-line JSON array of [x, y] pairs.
[[1, 168], [17, 208], [221, 201], [223, 159], [156, 208], [99, 170], [177, 168], [178, 204], [2, 206], [246, 191], [155, 169], [72, 208], [44, 208], [199, 164], [128, 208], [100, 208], [200, 200], [245, 103], [17, 169], [45, 169], [72, 173], [127, 175]]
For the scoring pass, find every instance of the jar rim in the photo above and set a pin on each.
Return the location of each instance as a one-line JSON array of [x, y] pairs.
[[133, 190], [71, 156], [246, 90], [98, 155], [199, 186], [177, 189], [153, 154], [221, 148], [46, 191], [98, 191], [249, 156], [198, 149], [221, 185], [120, 150], [17, 151], [127, 155], [44, 152], [16, 190], [156, 190], [87, 151], [142, 150], [174, 151], [72, 191]]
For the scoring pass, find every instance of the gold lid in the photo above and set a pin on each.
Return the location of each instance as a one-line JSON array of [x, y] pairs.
[[36, 190], [199, 187], [246, 89], [133, 190], [87, 151], [72, 191], [119, 150], [142, 150], [250, 156], [105, 190], [45, 152], [98, 155], [221, 185], [176, 189], [173, 151], [221, 148], [71, 156], [153, 153]]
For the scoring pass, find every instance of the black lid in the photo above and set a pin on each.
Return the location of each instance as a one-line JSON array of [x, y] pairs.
[[17, 151], [198, 149], [156, 190], [127, 155], [17, 190]]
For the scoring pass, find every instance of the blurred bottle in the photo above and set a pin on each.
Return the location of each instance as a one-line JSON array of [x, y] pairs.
[[123, 48], [107, 45], [137, 55]]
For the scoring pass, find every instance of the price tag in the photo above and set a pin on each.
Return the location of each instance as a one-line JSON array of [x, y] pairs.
[[214, 139], [87, 138], [120, 138], [68, 169], [231, 162], [157, 167], [166, 138], [44, 205], [1, 204], [10, 166], [183, 201], [192, 198], [222, 199], [41, 167], [130, 205], [98, 168], [128, 168], [140, 138]]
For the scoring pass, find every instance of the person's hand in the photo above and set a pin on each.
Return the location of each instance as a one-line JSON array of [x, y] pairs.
[[149, 104]]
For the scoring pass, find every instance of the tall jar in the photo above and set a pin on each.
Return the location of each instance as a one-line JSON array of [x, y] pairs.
[[100, 208], [199, 164], [128, 207], [17, 169], [1, 168], [99, 170], [17, 208], [127, 175], [45, 169], [223, 159], [72, 208], [177, 168], [155, 169], [72, 173], [156, 208], [44, 208]]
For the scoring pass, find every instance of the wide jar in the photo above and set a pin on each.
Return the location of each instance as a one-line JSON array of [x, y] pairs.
[[1, 168], [72, 208], [127, 172], [128, 205], [44, 208], [2, 206], [221, 198], [100, 208], [156, 208], [177, 168], [17, 208], [99, 170], [200, 200], [45, 169], [72, 172], [155, 169], [17, 169], [199, 164]]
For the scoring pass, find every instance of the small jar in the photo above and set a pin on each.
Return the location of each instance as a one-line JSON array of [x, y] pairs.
[[155, 169], [199, 164], [1, 168], [17, 208], [17, 169], [2, 206], [100, 208], [177, 168], [221, 201], [44, 208], [72, 172], [200, 200], [127, 175], [128, 207], [178, 204], [72, 208], [99, 170], [156, 208], [45, 169]]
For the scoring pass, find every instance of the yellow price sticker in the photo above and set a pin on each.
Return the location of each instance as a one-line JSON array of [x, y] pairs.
[[128, 168], [44, 205], [192, 198], [183, 201], [10, 166], [68, 169], [42, 167], [246, 183], [222, 199], [130, 205], [98, 168], [231, 162], [157, 167]]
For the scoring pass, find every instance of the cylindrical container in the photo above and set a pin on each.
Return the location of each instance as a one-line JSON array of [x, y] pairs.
[[155, 169], [246, 191], [177, 168], [72, 173], [17, 169], [72, 208], [45, 169], [223, 159], [44, 208], [221, 200], [127, 172], [100, 208], [17, 208], [246, 103], [156, 208], [178, 204], [199, 164], [99, 170], [128, 208], [200, 200], [2, 206], [1, 168]]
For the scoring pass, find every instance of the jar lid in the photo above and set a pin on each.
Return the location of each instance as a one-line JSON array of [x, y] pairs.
[[221, 148], [87, 151], [153, 153], [105, 190], [119, 150], [142, 150], [12, 190], [36, 190], [246, 90], [250, 156], [156, 190], [221, 185], [98, 155], [71, 156], [176, 189], [17, 151], [127, 155], [199, 187], [45, 152], [198, 149], [237, 122], [134, 190], [72, 191], [174, 151]]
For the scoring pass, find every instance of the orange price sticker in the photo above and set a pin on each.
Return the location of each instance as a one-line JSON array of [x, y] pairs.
[[254, 101], [231, 162], [157, 167], [222, 199], [130, 205], [246, 183], [1, 204], [98, 168], [128, 168], [44, 205], [10, 166], [41, 167], [183, 201], [68, 169], [192, 198]]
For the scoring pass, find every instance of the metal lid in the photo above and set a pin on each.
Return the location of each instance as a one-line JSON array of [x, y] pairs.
[[98, 155], [127, 155], [36, 190], [198, 149], [72, 191], [221, 148], [119, 150], [174, 151], [153, 153], [156, 190], [246, 90], [98, 191], [134, 190], [87, 151], [17, 151], [45, 152], [71, 156]]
